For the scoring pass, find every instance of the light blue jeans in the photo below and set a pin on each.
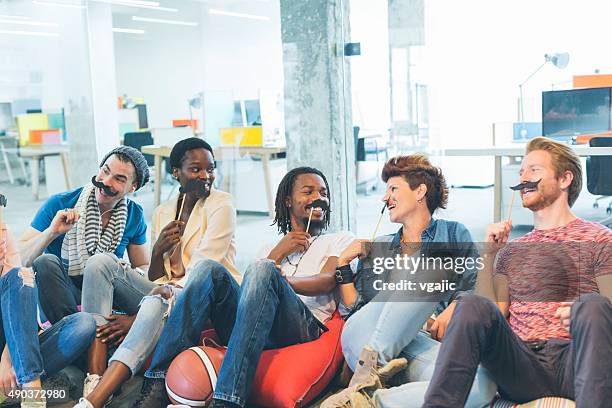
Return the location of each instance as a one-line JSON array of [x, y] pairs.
[[33, 355], [393, 329], [107, 282]]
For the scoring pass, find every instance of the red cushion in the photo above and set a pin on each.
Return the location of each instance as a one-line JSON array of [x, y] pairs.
[[293, 376]]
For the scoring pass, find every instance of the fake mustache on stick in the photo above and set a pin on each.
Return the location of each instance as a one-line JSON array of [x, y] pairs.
[[519, 187], [322, 204], [103, 187], [526, 184], [193, 185]]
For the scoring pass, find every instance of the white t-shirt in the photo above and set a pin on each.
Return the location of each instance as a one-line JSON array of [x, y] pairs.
[[310, 263]]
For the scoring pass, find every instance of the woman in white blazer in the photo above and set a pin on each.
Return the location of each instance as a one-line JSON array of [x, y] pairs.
[[192, 262]]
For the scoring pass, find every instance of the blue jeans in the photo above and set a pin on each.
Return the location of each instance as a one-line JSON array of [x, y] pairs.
[[211, 294], [33, 355], [269, 315], [393, 330], [107, 282]]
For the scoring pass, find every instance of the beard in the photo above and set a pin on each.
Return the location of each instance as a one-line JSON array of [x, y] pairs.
[[314, 224], [543, 197]]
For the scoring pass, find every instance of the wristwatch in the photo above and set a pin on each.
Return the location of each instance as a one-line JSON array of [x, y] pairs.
[[344, 274]]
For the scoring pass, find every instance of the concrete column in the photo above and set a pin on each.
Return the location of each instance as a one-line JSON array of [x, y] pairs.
[[103, 80], [317, 98]]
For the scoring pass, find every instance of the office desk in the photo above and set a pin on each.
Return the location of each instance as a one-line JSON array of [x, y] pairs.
[[222, 153], [35, 153], [513, 152]]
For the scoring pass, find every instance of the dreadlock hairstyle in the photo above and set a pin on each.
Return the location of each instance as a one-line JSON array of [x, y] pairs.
[[282, 215]]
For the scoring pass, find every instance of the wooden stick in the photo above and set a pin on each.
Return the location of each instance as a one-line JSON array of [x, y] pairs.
[[181, 210], [511, 205], [309, 218], [379, 220]]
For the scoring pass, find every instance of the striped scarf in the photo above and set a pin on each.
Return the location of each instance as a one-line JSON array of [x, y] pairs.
[[87, 237]]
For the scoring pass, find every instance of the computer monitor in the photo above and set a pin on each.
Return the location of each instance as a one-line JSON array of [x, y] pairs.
[[576, 112], [253, 114]]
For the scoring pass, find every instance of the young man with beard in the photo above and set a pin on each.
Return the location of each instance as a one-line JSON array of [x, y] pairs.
[[542, 322], [193, 250], [285, 297], [73, 232], [72, 227]]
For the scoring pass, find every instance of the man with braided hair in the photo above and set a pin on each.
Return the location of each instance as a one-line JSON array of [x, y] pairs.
[[285, 298]]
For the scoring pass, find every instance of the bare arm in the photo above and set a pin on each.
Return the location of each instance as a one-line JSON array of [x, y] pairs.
[[359, 248], [139, 256], [33, 243], [321, 283]]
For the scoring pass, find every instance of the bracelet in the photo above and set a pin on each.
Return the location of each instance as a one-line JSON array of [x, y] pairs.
[[344, 274]]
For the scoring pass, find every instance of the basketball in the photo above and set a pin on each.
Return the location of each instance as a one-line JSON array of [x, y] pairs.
[[192, 376]]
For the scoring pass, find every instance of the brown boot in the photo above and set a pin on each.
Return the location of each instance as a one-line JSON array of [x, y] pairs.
[[367, 364]]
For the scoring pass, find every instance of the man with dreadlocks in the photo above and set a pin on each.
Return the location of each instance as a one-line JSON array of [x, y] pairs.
[[285, 297]]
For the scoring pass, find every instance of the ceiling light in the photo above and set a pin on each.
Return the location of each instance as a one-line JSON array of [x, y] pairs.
[[242, 15], [56, 4], [30, 23], [158, 8], [31, 33], [15, 17], [163, 21], [134, 3], [128, 30]]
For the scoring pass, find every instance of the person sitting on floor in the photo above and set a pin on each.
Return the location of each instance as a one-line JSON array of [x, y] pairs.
[[386, 329], [74, 231], [73, 226], [27, 356], [541, 321], [189, 233], [285, 297]]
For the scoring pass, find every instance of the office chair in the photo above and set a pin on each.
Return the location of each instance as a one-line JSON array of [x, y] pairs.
[[598, 170], [137, 140]]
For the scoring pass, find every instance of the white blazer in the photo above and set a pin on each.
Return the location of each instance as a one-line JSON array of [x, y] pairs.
[[209, 233]]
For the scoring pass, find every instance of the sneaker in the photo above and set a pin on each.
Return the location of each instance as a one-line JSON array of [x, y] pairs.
[[367, 364], [83, 403], [152, 394], [361, 400], [362, 386], [90, 384], [39, 403]]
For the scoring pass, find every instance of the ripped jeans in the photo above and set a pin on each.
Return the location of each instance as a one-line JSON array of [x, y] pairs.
[[145, 331], [34, 355], [109, 282]]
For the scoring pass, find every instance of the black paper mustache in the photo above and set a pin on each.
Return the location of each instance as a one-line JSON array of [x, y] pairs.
[[107, 190], [526, 184], [319, 203], [194, 185]]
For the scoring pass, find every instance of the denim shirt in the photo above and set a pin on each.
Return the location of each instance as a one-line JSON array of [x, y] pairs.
[[439, 231]]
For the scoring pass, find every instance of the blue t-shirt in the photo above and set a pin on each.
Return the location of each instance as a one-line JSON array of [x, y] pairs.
[[135, 227]]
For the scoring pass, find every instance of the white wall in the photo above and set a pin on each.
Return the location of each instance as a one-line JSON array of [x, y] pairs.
[[478, 52], [164, 65], [169, 64], [370, 71]]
